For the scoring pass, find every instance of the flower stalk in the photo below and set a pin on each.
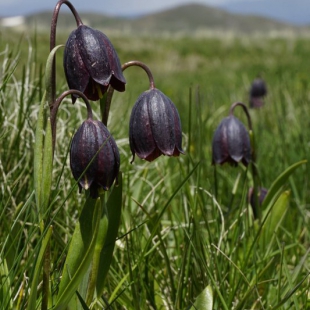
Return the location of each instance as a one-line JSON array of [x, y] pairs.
[[107, 102], [255, 175], [53, 41]]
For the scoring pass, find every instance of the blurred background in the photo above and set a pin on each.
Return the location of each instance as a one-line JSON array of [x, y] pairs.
[[199, 15]]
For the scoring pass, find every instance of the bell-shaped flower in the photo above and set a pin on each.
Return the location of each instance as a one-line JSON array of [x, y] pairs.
[[231, 143], [258, 91], [261, 194], [91, 63], [155, 127], [94, 157]]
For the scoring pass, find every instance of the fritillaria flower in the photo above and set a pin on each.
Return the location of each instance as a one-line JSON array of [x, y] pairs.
[[155, 127], [91, 63], [93, 149], [261, 194], [231, 143], [258, 91]]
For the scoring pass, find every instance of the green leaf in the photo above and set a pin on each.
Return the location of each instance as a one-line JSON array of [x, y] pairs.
[[83, 303], [38, 154], [48, 73], [273, 220], [114, 209], [47, 168], [272, 193], [43, 161], [204, 300], [80, 252], [101, 237], [6, 298], [37, 271]]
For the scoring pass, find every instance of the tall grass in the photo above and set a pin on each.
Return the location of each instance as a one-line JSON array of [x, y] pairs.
[[182, 230]]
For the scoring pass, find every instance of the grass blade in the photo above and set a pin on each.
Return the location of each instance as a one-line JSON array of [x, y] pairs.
[[37, 271]]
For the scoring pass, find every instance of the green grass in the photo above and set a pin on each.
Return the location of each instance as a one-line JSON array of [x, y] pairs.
[[177, 235]]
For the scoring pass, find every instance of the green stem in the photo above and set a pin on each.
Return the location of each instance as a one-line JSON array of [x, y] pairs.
[[107, 104], [56, 105], [255, 174], [101, 237], [53, 40]]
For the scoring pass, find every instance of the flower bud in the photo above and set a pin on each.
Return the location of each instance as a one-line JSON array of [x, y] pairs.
[[155, 127], [94, 157], [262, 193], [231, 143], [91, 63], [257, 92]]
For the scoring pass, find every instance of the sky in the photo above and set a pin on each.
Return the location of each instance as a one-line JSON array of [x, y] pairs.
[[112, 7]]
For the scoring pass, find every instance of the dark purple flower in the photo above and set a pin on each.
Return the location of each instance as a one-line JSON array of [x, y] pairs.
[[231, 143], [155, 127], [258, 91], [262, 192], [91, 63], [93, 145]]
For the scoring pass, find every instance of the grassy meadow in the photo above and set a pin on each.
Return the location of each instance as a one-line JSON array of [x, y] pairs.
[[187, 238]]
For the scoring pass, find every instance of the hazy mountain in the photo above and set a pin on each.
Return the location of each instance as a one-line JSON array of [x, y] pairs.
[[194, 17], [186, 19], [291, 11]]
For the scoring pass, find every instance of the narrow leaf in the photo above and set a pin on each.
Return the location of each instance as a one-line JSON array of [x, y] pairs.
[[204, 300], [80, 252], [38, 154], [83, 303], [274, 219], [114, 209], [47, 168], [48, 73], [279, 182], [6, 298], [37, 271]]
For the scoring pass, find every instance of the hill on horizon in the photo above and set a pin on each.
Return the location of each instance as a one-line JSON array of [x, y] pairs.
[[187, 19]]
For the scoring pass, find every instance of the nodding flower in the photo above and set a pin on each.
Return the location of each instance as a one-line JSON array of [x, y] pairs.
[[94, 157], [231, 143], [258, 91], [155, 127], [91, 63]]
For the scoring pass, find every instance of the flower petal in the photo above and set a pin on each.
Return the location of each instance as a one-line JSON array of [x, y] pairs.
[[140, 134], [76, 73]]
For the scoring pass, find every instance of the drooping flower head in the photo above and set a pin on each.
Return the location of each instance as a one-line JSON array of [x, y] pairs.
[[93, 148], [258, 91], [91, 63], [231, 143], [155, 127]]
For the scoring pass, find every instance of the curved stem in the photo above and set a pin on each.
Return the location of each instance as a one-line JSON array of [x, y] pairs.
[[53, 35], [57, 104], [110, 91], [143, 66], [245, 109], [255, 174]]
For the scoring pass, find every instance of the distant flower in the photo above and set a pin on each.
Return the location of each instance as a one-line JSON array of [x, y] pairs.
[[262, 192], [93, 141], [258, 91], [91, 64], [231, 143], [155, 127]]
